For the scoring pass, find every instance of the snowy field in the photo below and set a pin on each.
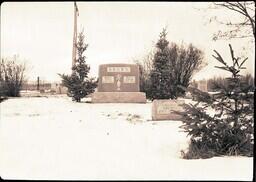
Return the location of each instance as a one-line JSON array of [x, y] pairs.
[[55, 138]]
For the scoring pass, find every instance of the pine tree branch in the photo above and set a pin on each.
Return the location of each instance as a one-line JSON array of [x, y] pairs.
[[232, 55], [240, 66], [219, 58]]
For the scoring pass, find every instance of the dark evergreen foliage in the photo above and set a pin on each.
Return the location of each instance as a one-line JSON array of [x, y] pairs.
[[222, 123], [173, 66], [78, 83], [160, 74]]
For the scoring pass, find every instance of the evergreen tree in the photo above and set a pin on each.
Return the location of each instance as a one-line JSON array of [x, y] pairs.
[[172, 67], [222, 123], [160, 73], [183, 63], [78, 83]]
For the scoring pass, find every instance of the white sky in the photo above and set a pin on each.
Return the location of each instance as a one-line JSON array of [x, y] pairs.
[[117, 32]]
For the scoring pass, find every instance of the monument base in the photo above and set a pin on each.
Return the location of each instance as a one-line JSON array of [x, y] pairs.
[[118, 97]]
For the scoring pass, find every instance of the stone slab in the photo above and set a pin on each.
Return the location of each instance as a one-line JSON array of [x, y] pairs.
[[163, 109], [202, 85], [118, 78], [118, 97]]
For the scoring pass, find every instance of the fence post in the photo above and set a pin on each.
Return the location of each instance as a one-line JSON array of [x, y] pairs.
[[38, 83]]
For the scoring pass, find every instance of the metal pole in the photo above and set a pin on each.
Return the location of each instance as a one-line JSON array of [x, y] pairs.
[[74, 34]]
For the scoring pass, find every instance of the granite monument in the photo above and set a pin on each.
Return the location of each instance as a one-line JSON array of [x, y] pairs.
[[118, 83]]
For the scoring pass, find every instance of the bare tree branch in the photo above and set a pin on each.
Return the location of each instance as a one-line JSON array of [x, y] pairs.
[[245, 9]]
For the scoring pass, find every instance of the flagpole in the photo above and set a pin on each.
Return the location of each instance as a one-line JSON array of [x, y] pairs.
[[74, 35]]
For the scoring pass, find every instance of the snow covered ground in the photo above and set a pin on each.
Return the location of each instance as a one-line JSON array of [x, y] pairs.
[[55, 138]]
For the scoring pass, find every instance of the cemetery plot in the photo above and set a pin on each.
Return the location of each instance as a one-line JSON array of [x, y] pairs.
[[60, 139]]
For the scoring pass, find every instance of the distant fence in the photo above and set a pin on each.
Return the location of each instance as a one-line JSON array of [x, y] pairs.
[[44, 86]]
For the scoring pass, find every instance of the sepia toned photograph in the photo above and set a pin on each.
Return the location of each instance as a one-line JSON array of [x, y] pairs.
[[127, 90]]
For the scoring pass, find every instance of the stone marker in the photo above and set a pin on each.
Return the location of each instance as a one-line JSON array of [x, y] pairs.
[[202, 85], [163, 109], [118, 78], [58, 88], [118, 83]]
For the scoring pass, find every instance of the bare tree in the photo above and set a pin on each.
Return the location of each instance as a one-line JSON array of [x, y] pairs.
[[167, 70], [12, 76], [241, 29], [184, 62], [145, 67], [180, 64]]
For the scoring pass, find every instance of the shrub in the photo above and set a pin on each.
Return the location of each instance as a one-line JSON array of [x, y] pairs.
[[78, 83], [170, 68], [222, 123], [12, 76]]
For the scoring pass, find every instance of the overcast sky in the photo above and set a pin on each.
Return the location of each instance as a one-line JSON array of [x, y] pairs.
[[117, 32]]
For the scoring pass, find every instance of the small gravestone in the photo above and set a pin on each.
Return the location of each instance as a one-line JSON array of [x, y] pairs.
[[118, 83], [202, 85], [59, 88], [164, 109]]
